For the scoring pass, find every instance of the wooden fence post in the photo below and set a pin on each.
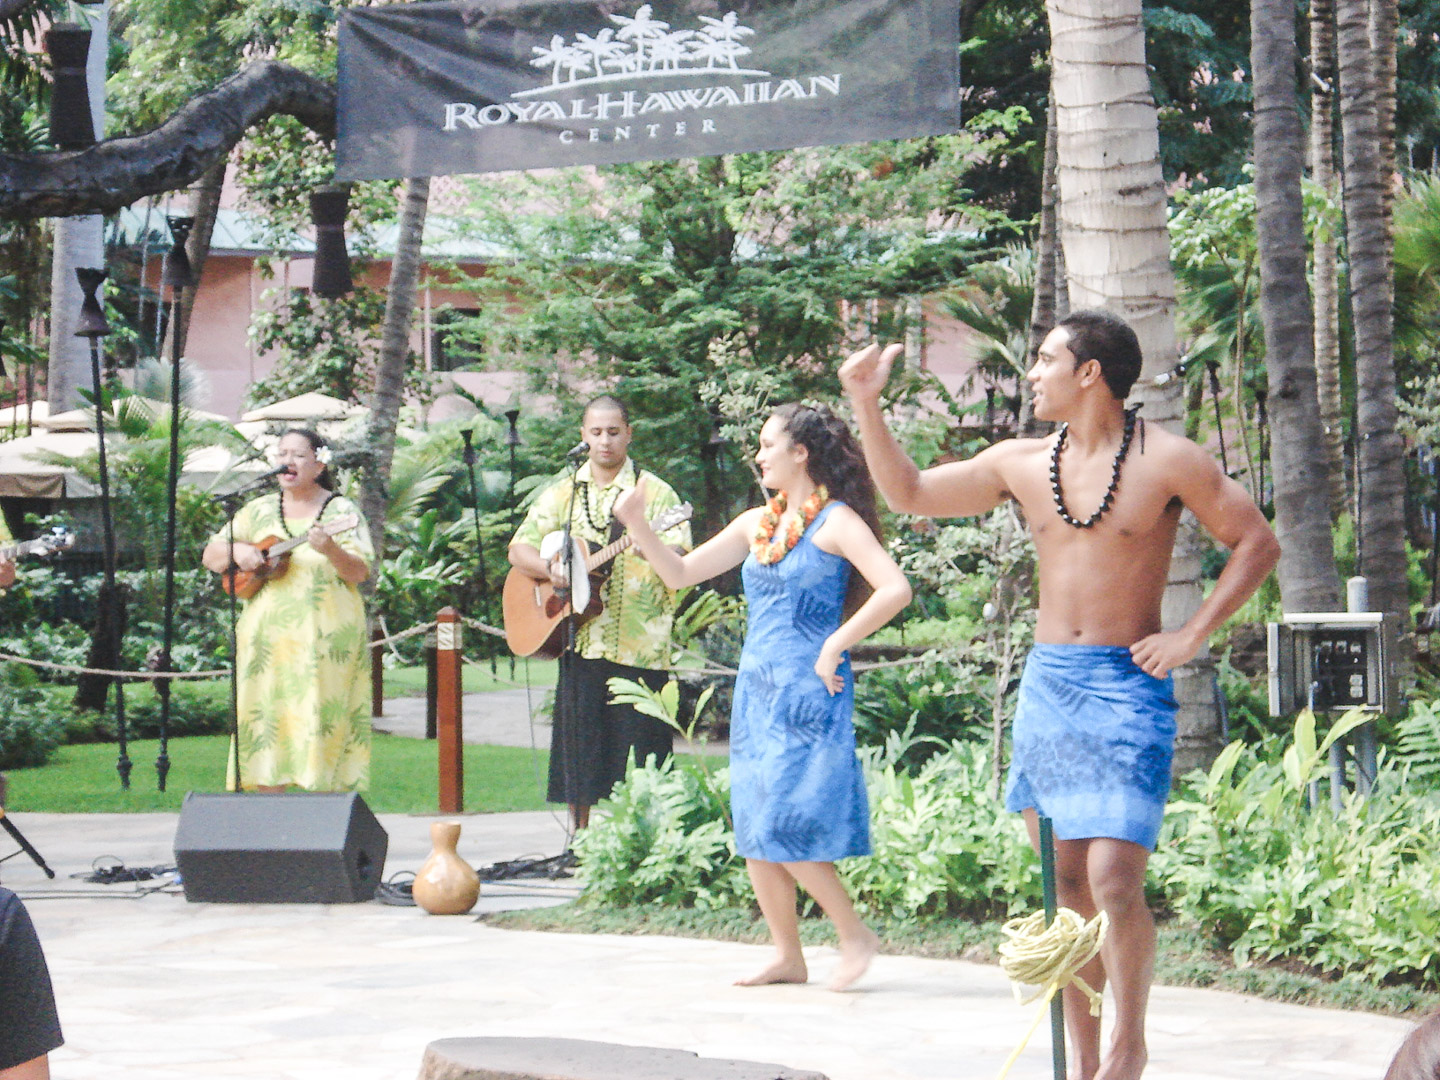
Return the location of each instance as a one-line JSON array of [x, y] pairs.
[[449, 721]]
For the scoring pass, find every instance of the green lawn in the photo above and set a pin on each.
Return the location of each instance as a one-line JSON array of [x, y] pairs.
[[403, 681], [403, 777]]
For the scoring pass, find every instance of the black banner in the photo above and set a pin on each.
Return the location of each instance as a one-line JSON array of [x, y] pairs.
[[475, 86]]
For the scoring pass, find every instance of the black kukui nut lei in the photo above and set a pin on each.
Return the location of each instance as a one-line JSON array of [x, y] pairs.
[[1108, 500]]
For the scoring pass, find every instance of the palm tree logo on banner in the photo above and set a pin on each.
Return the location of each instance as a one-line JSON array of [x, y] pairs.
[[643, 46]]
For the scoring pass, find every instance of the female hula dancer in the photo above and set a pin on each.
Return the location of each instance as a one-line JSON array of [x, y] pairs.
[[797, 793]]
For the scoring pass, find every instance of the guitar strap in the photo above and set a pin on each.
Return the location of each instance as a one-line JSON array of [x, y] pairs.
[[613, 529]]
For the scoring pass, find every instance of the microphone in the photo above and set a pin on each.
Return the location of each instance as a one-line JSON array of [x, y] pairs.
[[580, 449], [257, 482], [469, 454]]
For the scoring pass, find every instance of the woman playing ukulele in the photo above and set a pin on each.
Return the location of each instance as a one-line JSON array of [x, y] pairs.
[[301, 668]]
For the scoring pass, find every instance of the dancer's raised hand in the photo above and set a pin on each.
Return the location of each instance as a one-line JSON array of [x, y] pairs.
[[630, 507], [864, 374]]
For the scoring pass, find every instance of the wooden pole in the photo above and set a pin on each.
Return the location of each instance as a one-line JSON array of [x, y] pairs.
[[449, 721], [377, 673], [1047, 889]]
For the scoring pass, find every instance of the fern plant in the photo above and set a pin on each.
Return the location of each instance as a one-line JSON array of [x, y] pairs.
[[1418, 740]]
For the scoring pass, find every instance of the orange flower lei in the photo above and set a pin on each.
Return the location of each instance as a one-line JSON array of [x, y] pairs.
[[766, 548]]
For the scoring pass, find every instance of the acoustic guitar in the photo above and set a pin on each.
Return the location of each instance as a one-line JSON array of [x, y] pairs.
[[243, 584], [534, 610], [57, 539]]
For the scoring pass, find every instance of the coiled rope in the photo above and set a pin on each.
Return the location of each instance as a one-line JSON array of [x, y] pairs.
[[1048, 958]]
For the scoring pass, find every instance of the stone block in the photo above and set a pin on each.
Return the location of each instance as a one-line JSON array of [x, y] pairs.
[[581, 1059]]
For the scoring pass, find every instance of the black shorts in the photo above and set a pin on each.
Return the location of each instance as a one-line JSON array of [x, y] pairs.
[[592, 739], [29, 1026]]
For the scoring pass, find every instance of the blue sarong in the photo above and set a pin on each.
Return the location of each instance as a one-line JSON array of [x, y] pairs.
[[1093, 740]]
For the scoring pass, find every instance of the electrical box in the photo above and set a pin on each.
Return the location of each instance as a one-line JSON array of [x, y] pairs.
[[1331, 662]]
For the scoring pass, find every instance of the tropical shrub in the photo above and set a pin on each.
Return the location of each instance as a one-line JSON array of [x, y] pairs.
[[30, 728], [1418, 745], [666, 840], [1244, 856], [931, 700], [196, 708], [942, 843], [48, 616]]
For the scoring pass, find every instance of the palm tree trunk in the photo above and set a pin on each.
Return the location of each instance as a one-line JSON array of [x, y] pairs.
[[1384, 27], [1380, 531], [1045, 308], [1326, 263], [394, 356], [1117, 256], [1308, 578], [79, 241]]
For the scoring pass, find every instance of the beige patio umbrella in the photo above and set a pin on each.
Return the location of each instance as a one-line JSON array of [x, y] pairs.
[[15, 415], [25, 474], [313, 406], [84, 419], [329, 416]]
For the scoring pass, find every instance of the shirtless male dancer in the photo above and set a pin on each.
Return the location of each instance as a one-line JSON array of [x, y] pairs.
[[1094, 726]]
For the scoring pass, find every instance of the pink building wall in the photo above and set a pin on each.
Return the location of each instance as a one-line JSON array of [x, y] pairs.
[[232, 290]]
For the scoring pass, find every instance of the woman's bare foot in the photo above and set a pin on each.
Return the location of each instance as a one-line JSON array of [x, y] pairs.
[[855, 957], [780, 971], [1123, 1062]]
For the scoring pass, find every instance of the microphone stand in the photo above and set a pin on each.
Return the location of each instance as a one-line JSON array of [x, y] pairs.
[[230, 502], [567, 651], [25, 845], [224, 499], [512, 440], [112, 609], [469, 456]]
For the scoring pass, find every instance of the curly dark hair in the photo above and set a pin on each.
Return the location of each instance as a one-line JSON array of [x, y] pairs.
[[836, 461]]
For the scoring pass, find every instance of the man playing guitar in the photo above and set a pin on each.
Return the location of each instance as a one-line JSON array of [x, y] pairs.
[[630, 638]]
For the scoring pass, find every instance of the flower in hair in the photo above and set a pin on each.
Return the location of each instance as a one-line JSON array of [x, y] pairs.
[[322, 454]]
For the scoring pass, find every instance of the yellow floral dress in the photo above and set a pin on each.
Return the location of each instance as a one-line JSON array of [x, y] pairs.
[[304, 715]]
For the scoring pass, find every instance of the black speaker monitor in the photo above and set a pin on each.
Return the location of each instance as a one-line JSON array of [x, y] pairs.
[[281, 848]]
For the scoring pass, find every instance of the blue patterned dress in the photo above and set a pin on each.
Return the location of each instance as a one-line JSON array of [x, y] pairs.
[[797, 793]]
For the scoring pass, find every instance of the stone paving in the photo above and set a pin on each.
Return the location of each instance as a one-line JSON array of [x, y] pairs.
[[494, 718], [153, 987]]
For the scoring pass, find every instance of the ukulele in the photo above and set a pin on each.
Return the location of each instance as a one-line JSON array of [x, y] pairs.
[[243, 584], [534, 609], [57, 539]]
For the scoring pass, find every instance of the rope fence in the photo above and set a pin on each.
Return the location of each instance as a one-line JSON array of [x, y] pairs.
[[712, 668], [152, 676], [709, 667]]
